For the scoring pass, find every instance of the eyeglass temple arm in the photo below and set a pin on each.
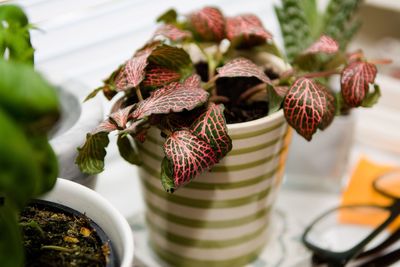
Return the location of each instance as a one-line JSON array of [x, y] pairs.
[[382, 261], [389, 241]]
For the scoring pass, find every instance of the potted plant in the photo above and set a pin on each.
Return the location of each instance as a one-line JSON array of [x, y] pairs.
[[204, 107], [29, 109]]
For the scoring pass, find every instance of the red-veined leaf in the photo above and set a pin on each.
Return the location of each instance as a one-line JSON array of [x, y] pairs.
[[120, 117], [211, 127], [324, 44], [157, 76], [246, 31], [329, 110], [174, 97], [193, 81], [304, 107], [242, 67], [189, 156], [136, 127], [133, 72], [355, 80], [171, 57], [209, 24], [173, 33], [106, 126]]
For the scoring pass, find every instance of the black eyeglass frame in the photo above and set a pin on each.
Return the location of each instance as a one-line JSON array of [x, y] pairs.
[[337, 259]]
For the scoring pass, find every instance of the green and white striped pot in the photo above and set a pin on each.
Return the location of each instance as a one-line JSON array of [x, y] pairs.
[[221, 218]]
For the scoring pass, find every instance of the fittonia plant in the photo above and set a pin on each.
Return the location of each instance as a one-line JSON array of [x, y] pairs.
[[163, 86]]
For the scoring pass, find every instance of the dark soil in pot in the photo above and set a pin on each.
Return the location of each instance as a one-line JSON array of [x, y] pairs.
[[55, 235], [237, 110]]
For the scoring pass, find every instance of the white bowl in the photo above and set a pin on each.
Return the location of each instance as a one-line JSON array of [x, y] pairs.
[[98, 209]]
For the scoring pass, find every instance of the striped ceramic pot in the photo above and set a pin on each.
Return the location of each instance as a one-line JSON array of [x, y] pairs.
[[221, 218]]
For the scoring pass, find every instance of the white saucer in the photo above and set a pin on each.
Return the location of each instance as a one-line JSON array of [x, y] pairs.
[[283, 250]]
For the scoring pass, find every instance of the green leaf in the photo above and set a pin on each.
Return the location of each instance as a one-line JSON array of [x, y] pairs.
[[93, 93], [127, 151], [313, 18], [20, 174], [11, 249], [14, 15], [372, 97], [91, 155], [294, 27], [338, 20], [14, 34], [274, 100], [169, 16], [46, 159], [167, 179], [27, 96]]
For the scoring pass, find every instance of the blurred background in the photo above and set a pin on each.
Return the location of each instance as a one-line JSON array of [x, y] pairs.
[[84, 41]]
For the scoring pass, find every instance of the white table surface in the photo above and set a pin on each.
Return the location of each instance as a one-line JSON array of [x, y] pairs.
[[86, 40]]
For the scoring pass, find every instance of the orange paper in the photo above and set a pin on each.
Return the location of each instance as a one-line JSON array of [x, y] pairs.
[[360, 191]]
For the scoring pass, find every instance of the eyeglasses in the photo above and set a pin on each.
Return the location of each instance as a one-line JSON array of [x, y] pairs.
[[345, 233]]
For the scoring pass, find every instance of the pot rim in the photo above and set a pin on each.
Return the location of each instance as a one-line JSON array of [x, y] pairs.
[[255, 123]]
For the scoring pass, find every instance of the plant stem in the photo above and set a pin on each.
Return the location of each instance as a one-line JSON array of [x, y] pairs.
[[219, 99], [211, 83], [252, 91], [381, 61], [58, 248], [138, 93]]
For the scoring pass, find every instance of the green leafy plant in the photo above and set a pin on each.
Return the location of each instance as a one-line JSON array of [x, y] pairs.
[[28, 109], [199, 73]]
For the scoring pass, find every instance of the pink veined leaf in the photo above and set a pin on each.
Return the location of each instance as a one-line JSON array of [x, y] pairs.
[[105, 126], [120, 117], [193, 81], [246, 31], [355, 80], [133, 73], [157, 76], [211, 127], [174, 97], [304, 107], [209, 23], [242, 67], [173, 33], [329, 111], [189, 155], [171, 57], [324, 44], [137, 129]]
